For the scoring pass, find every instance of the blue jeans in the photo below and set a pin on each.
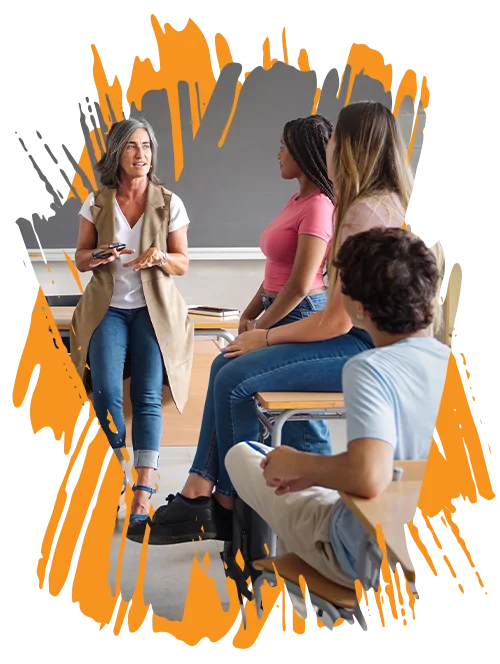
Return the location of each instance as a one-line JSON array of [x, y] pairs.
[[230, 412], [309, 305], [311, 435], [122, 331]]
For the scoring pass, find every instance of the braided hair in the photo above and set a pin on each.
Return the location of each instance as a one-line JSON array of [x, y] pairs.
[[306, 140]]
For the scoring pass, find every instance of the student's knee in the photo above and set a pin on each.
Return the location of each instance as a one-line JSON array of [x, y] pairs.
[[218, 363], [235, 461], [244, 470], [231, 379]]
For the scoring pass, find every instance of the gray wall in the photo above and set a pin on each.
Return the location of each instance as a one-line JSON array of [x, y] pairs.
[[233, 192]]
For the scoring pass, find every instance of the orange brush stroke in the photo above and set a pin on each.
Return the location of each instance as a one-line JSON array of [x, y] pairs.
[[223, 51], [317, 95], [364, 59], [79, 187], [95, 145], [285, 49], [407, 88], [303, 60], [266, 54], [184, 56], [74, 271], [457, 469], [231, 114]]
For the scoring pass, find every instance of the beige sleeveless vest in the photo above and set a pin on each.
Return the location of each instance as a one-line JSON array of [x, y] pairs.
[[166, 307]]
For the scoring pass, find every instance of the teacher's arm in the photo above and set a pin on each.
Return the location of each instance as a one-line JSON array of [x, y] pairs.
[[177, 262], [87, 243]]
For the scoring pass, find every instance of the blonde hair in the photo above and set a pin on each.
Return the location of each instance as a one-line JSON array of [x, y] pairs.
[[369, 159]]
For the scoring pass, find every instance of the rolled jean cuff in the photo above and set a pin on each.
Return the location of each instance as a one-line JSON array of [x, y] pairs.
[[146, 459]]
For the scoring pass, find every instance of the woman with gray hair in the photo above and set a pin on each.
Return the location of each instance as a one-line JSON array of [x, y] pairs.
[[131, 319]]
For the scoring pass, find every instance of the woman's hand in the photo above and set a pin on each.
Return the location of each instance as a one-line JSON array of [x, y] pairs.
[[96, 262], [150, 257], [243, 326], [246, 343], [246, 325]]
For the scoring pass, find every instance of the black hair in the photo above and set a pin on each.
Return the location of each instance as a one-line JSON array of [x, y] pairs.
[[306, 140], [394, 276]]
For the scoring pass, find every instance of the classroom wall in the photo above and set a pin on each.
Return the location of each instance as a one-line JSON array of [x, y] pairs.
[[225, 283]]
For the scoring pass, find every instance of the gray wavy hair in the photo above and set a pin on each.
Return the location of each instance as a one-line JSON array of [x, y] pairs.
[[119, 135]]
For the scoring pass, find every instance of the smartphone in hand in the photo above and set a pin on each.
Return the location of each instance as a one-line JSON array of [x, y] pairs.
[[104, 252]]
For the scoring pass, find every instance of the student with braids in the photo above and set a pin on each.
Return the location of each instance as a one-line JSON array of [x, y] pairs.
[[295, 245]]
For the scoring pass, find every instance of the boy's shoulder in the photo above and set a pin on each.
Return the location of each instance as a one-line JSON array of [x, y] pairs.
[[408, 349]]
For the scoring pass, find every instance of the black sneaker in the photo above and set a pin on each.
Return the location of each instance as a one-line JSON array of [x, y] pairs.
[[223, 522], [183, 520]]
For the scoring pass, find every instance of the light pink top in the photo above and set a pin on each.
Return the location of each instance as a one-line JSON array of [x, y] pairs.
[[384, 210], [311, 215]]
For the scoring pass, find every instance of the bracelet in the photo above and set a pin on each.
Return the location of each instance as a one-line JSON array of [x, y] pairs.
[[267, 337], [165, 258]]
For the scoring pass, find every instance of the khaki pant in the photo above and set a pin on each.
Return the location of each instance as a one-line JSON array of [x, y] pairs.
[[300, 519]]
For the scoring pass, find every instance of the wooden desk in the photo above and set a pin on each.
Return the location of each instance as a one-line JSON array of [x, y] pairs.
[[203, 325], [391, 510], [300, 400]]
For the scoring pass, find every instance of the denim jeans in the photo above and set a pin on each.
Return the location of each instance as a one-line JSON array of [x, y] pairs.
[[309, 305], [122, 331], [230, 416], [311, 434]]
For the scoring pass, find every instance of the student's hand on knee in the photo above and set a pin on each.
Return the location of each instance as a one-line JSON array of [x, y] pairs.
[[283, 469], [246, 343]]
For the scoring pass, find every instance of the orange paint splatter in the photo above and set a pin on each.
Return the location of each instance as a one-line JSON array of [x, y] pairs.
[[317, 95], [59, 394], [74, 271], [285, 50], [424, 93], [266, 54], [457, 469], [110, 96], [364, 59], [460, 586], [450, 566], [79, 187], [223, 51], [95, 145], [303, 60], [231, 114], [185, 56]]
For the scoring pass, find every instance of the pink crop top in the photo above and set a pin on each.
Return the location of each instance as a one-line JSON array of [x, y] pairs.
[[312, 215]]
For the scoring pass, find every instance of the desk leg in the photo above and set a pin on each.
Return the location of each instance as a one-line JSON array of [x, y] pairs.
[[218, 333], [276, 442], [225, 337]]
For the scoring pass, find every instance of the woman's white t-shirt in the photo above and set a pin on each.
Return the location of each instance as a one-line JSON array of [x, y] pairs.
[[128, 293]]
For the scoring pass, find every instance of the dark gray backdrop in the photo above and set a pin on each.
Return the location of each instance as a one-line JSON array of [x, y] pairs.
[[231, 193]]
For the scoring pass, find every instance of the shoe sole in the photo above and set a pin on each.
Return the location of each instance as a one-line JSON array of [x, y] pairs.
[[182, 532]]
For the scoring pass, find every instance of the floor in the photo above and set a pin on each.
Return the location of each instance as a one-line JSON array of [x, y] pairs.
[[168, 568]]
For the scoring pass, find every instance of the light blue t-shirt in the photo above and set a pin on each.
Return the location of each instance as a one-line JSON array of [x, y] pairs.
[[393, 394]]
